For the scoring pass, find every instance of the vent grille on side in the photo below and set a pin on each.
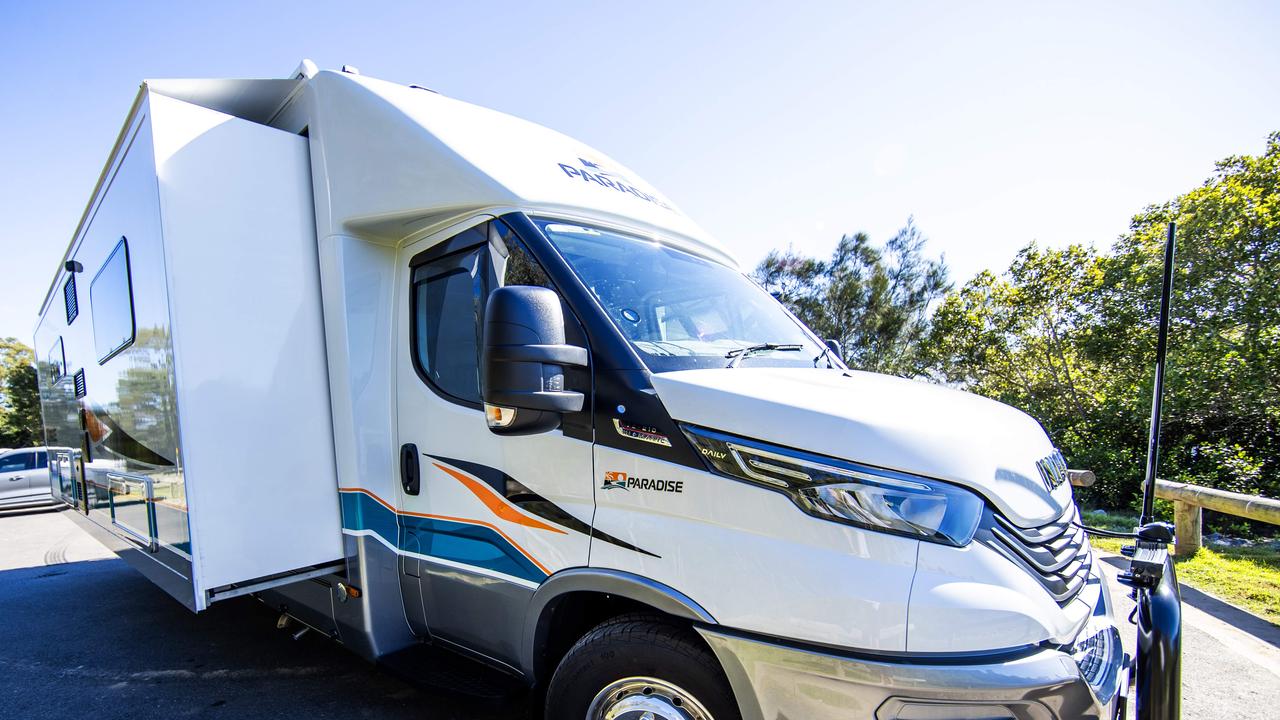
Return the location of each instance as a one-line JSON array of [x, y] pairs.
[[80, 388], [69, 297], [1056, 553]]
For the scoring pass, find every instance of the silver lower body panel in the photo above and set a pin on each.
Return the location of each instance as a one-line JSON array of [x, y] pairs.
[[778, 682]]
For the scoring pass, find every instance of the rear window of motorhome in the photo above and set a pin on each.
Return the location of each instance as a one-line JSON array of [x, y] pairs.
[[57, 361], [111, 303]]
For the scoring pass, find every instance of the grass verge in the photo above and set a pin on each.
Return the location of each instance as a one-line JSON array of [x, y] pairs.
[[1247, 577]]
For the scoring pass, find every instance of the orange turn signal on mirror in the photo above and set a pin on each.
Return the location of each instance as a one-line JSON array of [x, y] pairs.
[[499, 416]]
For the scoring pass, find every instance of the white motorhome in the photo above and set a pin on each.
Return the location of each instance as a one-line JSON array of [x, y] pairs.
[[411, 370]]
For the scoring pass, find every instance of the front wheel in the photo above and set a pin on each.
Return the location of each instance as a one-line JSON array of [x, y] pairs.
[[640, 666]]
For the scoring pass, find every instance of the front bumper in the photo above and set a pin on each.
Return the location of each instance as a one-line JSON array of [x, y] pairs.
[[778, 682]]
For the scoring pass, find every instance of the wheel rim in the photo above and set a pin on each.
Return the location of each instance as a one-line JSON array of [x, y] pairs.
[[645, 698]]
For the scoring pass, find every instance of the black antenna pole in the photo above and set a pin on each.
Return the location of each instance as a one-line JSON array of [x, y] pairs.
[[1157, 393], [1158, 665]]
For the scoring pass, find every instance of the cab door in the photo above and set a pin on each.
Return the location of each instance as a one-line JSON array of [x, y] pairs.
[[484, 519]]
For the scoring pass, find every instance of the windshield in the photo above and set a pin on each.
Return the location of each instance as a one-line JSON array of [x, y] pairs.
[[680, 311]]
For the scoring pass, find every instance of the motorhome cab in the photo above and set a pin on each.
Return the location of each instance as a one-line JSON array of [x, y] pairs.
[[415, 371]]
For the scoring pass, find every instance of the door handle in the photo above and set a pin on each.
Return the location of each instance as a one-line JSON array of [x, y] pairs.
[[15, 479], [410, 475]]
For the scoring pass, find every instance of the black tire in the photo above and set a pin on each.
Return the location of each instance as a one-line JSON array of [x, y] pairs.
[[638, 646]]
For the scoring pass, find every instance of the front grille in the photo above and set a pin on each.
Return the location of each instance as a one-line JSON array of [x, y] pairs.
[[1057, 553]]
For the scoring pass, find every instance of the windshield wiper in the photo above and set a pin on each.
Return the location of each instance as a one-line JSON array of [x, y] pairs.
[[735, 356], [826, 352]]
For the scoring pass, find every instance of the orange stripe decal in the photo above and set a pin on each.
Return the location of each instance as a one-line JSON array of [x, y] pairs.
[[497, 505], [371, 494], [450, 518]]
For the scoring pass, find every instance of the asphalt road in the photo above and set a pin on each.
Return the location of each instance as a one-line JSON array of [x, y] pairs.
[[82, 635], [1230, 659]]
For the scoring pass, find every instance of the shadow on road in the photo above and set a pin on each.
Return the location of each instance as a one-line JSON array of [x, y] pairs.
[[95, 639]]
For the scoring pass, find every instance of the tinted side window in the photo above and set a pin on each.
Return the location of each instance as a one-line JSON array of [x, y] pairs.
[[448, 297], [42, 459], [111, 303], [57, 360], [16, 461], [513, 263]]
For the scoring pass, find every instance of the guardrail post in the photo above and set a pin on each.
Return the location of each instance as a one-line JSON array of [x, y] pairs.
[[1082, 478], [1186, 521]]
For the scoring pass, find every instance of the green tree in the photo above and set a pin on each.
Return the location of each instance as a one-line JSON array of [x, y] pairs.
[[1021, 338], [1069, 336], [874, 302], [1222, 426], [19, 396]]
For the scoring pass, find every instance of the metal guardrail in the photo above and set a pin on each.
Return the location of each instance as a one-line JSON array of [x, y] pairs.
[[1189, 501]]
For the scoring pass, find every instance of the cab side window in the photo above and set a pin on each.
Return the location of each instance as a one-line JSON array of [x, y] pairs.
[[450, 286], [512, 261], [447, 304]]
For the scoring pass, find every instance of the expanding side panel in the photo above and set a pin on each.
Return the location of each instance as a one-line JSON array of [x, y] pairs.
[[249, 345]]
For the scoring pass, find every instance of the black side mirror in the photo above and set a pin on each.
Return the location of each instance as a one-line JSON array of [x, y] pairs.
[[834, 347], [522, 363]]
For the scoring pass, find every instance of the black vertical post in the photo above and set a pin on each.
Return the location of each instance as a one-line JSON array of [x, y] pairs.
[[1159, 662], [1157, 393], [1158, 670]]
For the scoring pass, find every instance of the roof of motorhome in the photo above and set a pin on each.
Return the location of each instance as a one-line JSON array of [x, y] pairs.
[[397, 160], [441, 154]]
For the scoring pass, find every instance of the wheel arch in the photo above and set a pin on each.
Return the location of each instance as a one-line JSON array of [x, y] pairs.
[[602, 593]]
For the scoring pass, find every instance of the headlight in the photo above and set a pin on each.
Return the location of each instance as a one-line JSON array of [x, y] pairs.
[[1095, 650], [845, 492]]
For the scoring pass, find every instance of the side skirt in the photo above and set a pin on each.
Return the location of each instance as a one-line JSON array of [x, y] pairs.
[[149, 564]]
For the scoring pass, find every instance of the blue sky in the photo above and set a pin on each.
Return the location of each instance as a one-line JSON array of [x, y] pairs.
[[994, 124]]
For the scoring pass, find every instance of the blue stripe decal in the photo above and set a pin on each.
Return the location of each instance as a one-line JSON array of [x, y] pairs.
[[475, 545]]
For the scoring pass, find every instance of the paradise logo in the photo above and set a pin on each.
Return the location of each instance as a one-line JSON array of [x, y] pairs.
[[595, 172], [621, 481]]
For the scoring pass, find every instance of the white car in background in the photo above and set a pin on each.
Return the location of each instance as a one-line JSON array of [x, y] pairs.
[[24, 477]]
